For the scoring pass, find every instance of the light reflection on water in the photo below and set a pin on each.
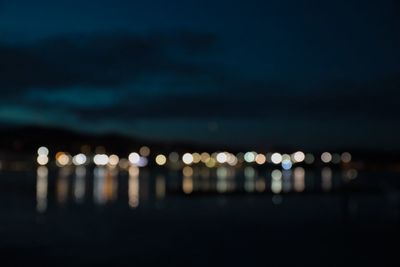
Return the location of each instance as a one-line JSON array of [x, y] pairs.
[[108, 184]]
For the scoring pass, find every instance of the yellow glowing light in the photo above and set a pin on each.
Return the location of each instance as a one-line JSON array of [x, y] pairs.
[[211, 163], [42, 159], [113, 160], [299, 156], [134, 158], [205, 157], [144, 151], [161, 160], [276, 158], [260, 159], [196, 157], [187, 158], [187, 184], [187, 171], [43, 151], [326, 157]]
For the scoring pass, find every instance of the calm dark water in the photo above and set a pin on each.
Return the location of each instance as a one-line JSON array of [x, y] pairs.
[[86, 217]]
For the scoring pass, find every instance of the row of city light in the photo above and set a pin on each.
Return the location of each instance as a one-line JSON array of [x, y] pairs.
[[141, 159]]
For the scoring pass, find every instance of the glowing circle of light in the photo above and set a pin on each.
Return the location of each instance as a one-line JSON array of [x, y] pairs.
[[161, 160], [79, 159], [144, 151], [326, 157], [187, 158], [250, 157], [221, 157], [260, 159], [134, 158], [299, 156], [100, 159], [63, 159], [42, 160], [346, 157], [286, 164], [43, 151], [113, 160], [276, 158]]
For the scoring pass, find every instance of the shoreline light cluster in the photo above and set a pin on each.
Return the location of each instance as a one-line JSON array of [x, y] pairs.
[[143, 158]]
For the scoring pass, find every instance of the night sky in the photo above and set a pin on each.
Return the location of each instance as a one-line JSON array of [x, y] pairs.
[[313, 74]]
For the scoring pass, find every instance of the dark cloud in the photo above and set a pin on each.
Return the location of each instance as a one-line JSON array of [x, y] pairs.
[[99, 60]]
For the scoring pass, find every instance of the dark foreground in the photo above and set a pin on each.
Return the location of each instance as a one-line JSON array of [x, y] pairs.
[[66, 219]]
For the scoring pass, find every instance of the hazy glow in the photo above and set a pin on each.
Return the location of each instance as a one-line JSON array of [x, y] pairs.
[[221, 157], [43, 151], [351, 174], [79, 159], [124, 163], [276, 158], [260, 159], [41, 188], [133, 187], [134, 158], [309, 159], [249, 172], [250, 157], [286, 164], [187, 158], [113, 160], [161, 160], [63, 159], [276, 181], [260, 185], [232, 160], [79, 183], [205, 157], [187, 184], [326, 175], [299, 183], [100, 159], [173, 157], [211, 163], [196, 157], [276, 175], [187, 171], [326, 157], [42, 159], [336, 158], [160, 187], [299, 156], [144, 151], [143, 161], [346, 157]]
